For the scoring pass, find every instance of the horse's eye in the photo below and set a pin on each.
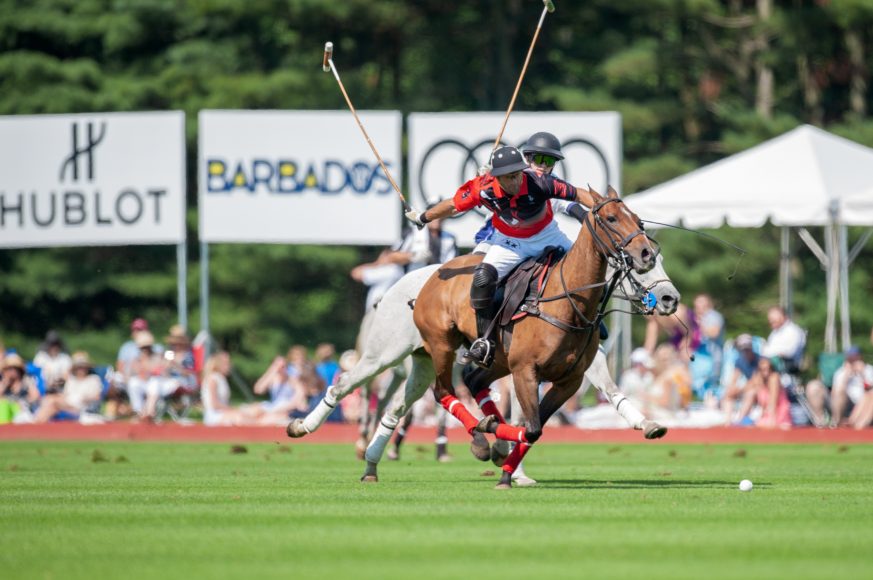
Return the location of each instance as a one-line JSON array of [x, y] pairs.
[[640, 224], [611, 219]]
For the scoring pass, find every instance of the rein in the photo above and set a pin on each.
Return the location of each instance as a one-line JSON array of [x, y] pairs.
[[615, 256]]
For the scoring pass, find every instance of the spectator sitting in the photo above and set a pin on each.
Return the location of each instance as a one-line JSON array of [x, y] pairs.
[[314, 387], [215, 393], [770, 395], [177, 372], [862, 414], [129, 351], [745, 365], [54, 361], [286, 396], [145, 369], [706, 366], [671, 389], [636, 381], [681, 329], [81, 390], [325, 362], [851, 383], [19, 391], [786, 340]]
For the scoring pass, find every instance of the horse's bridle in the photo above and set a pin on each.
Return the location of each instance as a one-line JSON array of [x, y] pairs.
[[614, 250], [615, 255]]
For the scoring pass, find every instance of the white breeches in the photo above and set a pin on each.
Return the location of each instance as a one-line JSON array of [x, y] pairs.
[[506, 252]]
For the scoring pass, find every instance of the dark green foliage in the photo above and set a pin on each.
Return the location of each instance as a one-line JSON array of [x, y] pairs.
[[683, 74]]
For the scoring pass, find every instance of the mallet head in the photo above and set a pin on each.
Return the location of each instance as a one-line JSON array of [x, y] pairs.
[[550, 6], [328, 54]]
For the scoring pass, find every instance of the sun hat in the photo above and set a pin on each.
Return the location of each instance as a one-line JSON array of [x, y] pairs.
[[177, 335], [144, 338], [13, 361], [81, 359]]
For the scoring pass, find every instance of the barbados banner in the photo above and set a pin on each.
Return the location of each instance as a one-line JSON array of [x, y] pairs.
[[303, 177], [447, 149], [92, 179]]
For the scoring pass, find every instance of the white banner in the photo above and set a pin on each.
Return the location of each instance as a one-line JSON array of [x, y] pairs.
[[303, 177], [446, 149], [92, 179]]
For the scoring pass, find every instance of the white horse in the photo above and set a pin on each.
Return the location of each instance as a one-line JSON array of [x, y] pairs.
[[394, 336]]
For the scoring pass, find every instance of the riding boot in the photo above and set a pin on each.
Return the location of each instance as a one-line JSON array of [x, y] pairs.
[[482, 292]]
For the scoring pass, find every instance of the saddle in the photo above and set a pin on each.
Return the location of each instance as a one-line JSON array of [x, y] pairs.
[[520, 293]]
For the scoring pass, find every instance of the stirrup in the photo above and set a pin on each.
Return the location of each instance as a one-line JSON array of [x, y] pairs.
[[481, 352]]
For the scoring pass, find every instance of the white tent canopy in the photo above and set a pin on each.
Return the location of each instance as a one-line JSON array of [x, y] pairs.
[[806, 177]]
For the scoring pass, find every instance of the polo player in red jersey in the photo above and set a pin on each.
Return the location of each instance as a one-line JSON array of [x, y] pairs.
[[524, 222]]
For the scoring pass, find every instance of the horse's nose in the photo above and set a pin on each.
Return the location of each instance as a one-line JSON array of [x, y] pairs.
[[669, 302]]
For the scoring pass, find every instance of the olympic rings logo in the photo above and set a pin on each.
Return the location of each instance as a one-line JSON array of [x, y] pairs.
[[473, 157]]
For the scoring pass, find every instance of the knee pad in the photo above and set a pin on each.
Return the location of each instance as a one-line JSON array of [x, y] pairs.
[[484, 286]]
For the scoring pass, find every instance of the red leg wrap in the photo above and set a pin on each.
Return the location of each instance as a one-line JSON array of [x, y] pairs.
[[487, 405], [511, 433], [518, 453], [456, 408]]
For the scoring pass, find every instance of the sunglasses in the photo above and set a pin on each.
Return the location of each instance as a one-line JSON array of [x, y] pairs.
[[541, 159]]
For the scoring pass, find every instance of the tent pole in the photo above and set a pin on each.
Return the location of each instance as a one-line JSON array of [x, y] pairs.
[[785, 289], [845, 321], [832, 269], [182, 282]]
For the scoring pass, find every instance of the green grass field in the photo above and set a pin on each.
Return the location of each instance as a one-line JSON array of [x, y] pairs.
[[137, 510]]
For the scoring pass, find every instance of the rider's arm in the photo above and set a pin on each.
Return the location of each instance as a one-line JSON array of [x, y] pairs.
[[443, 209], [584, 197]]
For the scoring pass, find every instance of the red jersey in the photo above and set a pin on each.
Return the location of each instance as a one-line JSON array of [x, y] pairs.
[[513, 214]]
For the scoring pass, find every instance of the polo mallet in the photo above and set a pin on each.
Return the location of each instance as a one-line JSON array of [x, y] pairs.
[[548, 6], [327, 65]]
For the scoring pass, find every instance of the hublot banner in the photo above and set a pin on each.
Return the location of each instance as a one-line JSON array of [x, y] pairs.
[[92, 179]]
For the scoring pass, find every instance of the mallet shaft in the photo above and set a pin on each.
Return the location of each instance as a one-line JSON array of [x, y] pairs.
[[328, 65]]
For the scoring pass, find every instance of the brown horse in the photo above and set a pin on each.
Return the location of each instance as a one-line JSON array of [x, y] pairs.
[[540, 351]]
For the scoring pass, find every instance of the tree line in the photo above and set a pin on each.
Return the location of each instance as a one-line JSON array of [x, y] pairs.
[[694, 80]]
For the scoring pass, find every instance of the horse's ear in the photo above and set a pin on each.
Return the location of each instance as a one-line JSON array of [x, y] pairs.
[[610, 192], [594, 194]]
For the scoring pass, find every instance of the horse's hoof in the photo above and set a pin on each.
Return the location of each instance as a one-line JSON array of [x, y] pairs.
[[652, 430], [488, 424], [479, 447], [499, 452], [505, 481], [370, 478], [295, 429], [392, 455]]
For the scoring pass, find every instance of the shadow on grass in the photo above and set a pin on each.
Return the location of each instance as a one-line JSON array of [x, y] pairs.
[[638, 484]]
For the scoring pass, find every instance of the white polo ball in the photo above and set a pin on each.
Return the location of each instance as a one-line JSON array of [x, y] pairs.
[[745, 485]]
